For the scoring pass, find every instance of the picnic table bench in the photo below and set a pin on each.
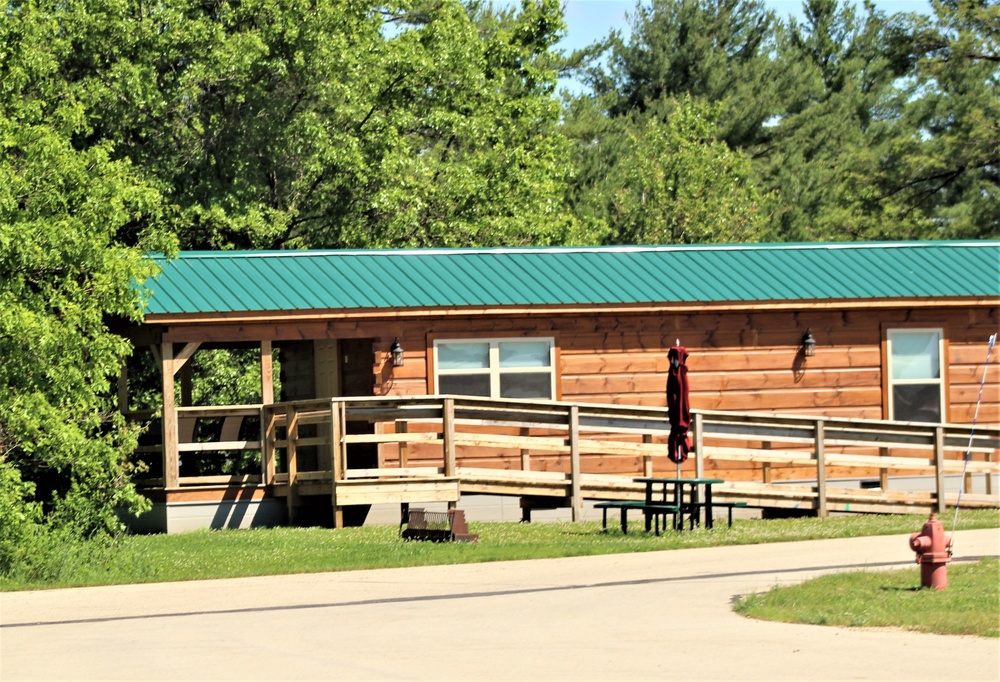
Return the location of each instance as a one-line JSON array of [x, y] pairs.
[[648, 510], [693, 509]]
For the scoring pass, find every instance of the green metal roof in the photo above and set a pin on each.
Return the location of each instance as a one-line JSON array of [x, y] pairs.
[[258, 281]]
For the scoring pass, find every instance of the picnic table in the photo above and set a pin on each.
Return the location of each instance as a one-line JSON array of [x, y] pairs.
[[685, 494], [678, 497]]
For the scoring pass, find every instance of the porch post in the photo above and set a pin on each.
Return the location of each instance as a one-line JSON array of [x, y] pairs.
[[821, 510], [448, 427], [266, 373], [267, 435], [337, 463], [883, 473], [939, 467], [647, 460], [171, 461], [576, 499], [293, 463], [699, 438]]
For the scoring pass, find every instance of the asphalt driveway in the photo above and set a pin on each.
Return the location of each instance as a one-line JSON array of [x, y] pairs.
[[657, 615]]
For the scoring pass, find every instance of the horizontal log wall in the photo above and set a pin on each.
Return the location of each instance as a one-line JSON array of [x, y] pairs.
[[739, 360]]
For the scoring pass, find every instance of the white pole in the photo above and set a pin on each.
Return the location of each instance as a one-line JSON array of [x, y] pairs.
[[968, 451]]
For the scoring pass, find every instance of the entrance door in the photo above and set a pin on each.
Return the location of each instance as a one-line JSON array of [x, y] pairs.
[[345, 367], [357, 374], [357, 377]]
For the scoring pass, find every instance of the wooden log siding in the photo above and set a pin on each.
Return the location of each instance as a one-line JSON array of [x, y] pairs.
[[622, 359], [741, 361]]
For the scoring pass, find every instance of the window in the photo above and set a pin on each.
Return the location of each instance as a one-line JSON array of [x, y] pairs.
[[496, 368], [916, 375]]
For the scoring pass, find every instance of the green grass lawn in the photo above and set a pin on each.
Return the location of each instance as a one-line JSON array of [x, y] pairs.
[[970, 605], [201, 555]]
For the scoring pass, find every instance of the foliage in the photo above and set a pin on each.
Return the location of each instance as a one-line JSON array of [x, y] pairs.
[[662, 177], [221, 377], [888, 599], [338, 124], [713, 50], [202, 555], [860, 125], [20, 519], [945, 166], [840, 121], [63, 276], [681, 186]]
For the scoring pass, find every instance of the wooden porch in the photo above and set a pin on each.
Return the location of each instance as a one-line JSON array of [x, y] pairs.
[[437, 448]]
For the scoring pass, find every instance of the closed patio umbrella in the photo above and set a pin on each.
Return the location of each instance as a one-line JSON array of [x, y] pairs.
[[678, 404]]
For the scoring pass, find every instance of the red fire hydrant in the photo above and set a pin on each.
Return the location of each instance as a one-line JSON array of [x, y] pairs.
[[933, 548]]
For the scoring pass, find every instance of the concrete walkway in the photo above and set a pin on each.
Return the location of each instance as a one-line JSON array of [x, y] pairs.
[[651, 616]]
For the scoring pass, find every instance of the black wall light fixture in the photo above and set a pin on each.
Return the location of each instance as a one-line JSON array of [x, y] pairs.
[[397, 353], [808, 344]]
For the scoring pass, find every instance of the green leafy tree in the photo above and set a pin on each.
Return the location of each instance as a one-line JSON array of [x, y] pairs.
[[335, 124], [664, 143], [859, 125], [683, 186], [599, 145], [63, 275]]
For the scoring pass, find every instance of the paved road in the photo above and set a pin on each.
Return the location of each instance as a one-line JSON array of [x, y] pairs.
[[659, 615]]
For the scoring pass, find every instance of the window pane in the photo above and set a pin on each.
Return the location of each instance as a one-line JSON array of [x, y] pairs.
[[535, 385], [463, 355], [916, 403], [524, 354], [465, 384], [915, 355]]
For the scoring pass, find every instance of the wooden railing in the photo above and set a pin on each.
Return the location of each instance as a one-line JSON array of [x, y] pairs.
[[227, 441], [824, 447], [578, 451]]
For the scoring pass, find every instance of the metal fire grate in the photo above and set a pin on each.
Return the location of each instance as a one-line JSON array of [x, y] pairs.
[[420, 524]]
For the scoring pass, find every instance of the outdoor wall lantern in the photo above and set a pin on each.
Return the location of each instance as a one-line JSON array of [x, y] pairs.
[[397, 353], [808, 344]]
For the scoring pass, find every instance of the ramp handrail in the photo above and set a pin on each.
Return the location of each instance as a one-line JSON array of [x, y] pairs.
[[459, 427]]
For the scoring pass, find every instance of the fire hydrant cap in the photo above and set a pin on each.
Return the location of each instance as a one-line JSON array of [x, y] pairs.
[[920, 543]]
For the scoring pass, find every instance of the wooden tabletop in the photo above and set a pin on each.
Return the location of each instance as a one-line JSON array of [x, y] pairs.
[[689, 481]]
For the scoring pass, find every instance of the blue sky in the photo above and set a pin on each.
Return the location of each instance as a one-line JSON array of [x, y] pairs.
[[591, 20]]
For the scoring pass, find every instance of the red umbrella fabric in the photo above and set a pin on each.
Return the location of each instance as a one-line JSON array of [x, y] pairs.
[[678, 404]]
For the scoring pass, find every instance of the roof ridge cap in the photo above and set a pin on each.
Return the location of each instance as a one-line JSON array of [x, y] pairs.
[[634, 248]]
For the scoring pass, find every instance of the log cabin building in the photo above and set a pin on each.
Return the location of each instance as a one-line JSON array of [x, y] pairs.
[[865, 331]]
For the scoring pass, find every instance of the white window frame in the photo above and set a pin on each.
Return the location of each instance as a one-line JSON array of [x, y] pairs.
[[494, 370], [891, 383]]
